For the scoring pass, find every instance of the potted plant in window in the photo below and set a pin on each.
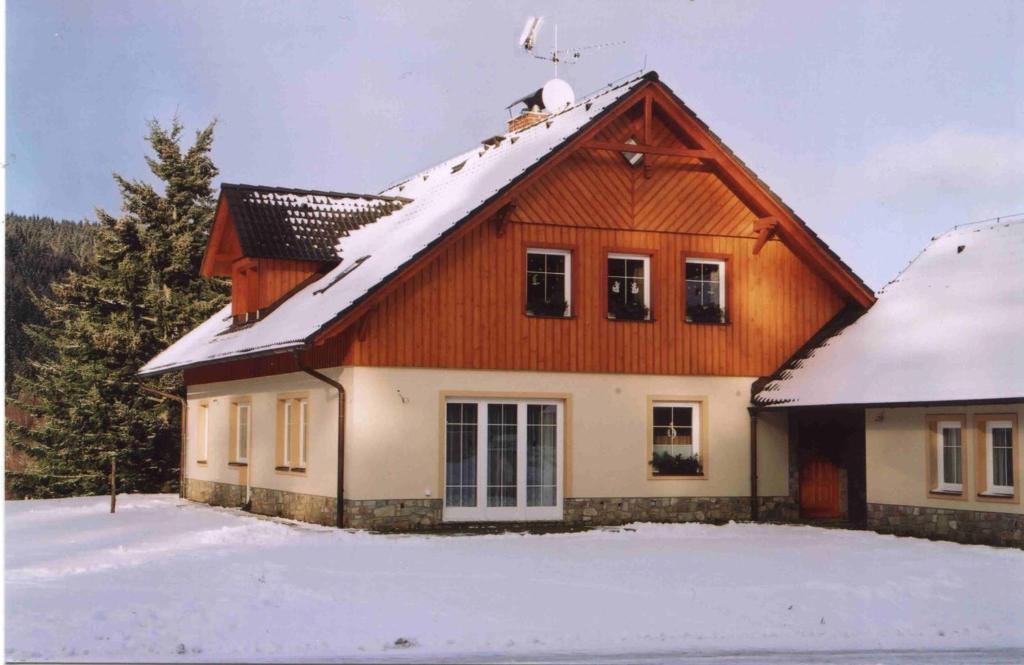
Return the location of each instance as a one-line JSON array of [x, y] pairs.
[[705, 314], [666, 464], [628, 311], [547, 307]]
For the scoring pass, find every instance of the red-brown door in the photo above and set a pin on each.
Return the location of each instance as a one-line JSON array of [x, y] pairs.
[[819, 487]]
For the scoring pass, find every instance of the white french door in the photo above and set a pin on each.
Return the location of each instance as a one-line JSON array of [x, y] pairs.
[[503, 459]]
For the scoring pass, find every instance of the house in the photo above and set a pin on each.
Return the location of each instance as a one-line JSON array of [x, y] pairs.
[[908, 419], [562, 323]]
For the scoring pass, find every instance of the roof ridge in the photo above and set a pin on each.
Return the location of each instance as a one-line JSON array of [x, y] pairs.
[[317, 192]]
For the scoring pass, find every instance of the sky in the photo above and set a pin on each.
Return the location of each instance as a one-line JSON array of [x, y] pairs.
[[882, 124]]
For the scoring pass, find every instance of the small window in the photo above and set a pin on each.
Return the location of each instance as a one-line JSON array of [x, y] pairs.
[[548, 282], [242, 427], [705, 291], [675, 439], [999, 444], [634, 158], [950, 457], [303, 432], [203, 434], [629, 288], [286, 452]]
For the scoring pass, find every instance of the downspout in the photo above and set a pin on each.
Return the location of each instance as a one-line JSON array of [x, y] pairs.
[[753, 463], [184, 431], [341, 431]]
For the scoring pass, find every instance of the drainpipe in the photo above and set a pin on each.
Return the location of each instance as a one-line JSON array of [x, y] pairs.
[[753, 463], [341, 431], [184, 431]]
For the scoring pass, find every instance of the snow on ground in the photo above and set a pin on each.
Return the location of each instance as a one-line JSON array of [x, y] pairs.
[[167, 580]]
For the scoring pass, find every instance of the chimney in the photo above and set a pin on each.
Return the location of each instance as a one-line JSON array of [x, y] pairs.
[[527, 118]]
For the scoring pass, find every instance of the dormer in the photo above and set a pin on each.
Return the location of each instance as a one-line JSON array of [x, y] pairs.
[[272, 241]]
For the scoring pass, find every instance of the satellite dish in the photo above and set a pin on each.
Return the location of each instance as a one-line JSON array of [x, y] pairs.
[[557, 95]]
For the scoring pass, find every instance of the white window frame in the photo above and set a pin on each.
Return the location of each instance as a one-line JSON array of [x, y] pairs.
[[303, 435], [240, 406], [204, 418], [941, 484], [998, 490], [568, 273], [646, 258], [286, 457], [695, 420], [722, 299], [519, 512]]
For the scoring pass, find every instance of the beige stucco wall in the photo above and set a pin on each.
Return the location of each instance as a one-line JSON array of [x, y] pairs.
[[393, 433], [897, 461], [322, 458]]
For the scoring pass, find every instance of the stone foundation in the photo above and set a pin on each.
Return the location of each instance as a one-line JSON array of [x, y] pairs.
[[295, 506], [778, 509], [215, 494], [962, 526], [656, 509], [393, 515]]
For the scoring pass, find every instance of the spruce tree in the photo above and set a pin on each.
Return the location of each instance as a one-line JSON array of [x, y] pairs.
[[140, 291]]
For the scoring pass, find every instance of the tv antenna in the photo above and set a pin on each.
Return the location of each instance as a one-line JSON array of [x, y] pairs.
[[569, 56]]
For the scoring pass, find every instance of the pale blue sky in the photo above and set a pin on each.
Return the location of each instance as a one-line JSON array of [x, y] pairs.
[[881, 123]]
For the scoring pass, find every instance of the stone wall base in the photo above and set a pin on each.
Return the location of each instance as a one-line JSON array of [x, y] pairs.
[[608, 511], [215, 494], [778, 509], [962, 526], [392, 514], [295, 506]]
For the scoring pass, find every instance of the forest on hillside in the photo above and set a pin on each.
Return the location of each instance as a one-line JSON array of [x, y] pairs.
[[40, 251]]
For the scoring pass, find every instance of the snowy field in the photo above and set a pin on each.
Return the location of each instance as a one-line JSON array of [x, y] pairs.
[[168, 580]]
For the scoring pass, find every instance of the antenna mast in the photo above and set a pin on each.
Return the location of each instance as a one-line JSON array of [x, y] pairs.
[[528, 42]]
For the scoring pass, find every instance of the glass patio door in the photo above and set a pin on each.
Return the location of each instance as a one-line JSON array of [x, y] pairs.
[[503, 460]]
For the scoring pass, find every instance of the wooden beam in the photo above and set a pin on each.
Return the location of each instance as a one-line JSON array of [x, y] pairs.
[[761, 202], [501, 218], [765, 228], [649, 149], [763, 236]]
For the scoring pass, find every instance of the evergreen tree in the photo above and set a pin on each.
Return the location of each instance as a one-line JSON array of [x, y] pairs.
[[140, 292]]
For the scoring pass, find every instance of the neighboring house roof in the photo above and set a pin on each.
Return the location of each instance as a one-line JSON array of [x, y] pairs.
[[947, 329], [298, 224]]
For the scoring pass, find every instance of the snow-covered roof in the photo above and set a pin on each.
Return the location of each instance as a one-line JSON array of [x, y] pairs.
[[300, 224], [442, 196], [947, 329]]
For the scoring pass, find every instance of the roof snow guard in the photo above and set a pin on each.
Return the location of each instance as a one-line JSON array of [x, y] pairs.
[[297, 224], [946, 330]]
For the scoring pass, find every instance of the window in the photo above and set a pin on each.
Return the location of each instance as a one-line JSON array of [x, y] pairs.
[[303, 431], [997, 453], [292, 433], [705, 291], [548, 282], [676, 439], [203, 433], [999, 445], [949, 456], [243, 422], [503, 459], [629, 288]]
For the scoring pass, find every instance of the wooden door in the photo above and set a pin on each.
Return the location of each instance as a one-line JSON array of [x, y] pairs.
[[819, 487]]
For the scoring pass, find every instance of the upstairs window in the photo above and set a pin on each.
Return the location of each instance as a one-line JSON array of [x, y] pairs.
[[705, 291], [629, 287], [675, 439], [548, 282], [950, 457]]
